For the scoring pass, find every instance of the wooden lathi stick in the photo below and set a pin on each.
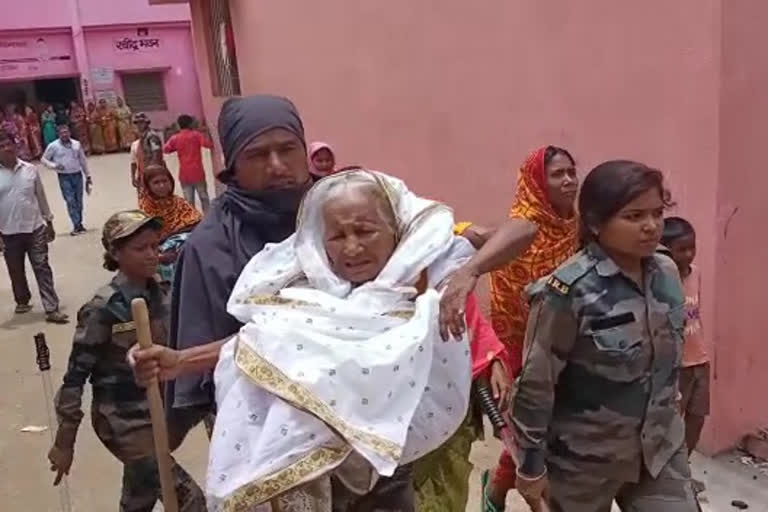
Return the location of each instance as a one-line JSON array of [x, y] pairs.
[[157, 412]]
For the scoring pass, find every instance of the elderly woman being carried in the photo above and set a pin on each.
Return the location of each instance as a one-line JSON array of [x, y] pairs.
[[339, 378]]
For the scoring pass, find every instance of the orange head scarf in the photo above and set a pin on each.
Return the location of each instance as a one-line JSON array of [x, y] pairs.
[[557, 239], [177, 214]]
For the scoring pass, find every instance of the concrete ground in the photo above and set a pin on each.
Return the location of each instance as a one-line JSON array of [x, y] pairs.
[[96, 476]]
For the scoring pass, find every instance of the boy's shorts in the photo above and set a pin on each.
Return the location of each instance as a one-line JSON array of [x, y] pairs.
[[694, 388]]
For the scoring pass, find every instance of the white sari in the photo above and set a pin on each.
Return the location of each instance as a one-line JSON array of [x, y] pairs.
[[323, 370]]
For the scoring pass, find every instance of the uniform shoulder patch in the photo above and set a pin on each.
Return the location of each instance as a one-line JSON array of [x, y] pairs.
[[535, 288], [566, 275], [556, 284], [123, 327]]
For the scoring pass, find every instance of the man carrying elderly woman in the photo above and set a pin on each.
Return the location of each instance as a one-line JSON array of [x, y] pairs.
[[330, 373]]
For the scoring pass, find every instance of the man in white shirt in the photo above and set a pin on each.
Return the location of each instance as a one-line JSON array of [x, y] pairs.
[[67, 157], [26, 229]]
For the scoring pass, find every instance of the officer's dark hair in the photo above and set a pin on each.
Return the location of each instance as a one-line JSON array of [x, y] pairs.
[[674, 228], [62, 125], [609, 187], [552, 151], [110, 263], [185, 121]]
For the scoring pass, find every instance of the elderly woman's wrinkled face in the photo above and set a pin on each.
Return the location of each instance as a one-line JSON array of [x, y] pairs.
[[359, 233]]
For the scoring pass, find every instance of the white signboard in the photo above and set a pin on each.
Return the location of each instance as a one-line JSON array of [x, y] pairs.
[[102, 76]]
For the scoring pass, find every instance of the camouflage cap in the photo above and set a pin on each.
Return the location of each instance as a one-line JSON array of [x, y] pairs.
[[124, 224], [141, 117]]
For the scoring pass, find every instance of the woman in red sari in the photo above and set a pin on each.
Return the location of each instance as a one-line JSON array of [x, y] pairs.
[[34, 135], [23, 130], [108, 121], [79, 121]]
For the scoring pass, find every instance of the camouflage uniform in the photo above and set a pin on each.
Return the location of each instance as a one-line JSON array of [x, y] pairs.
[[595, 404], [119, 412]]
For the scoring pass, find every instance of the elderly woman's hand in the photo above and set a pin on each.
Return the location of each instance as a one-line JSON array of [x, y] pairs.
[[154, 363], [454, 301]]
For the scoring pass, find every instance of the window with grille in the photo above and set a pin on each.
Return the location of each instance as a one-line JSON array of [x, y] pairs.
[[145, 92], [225, 79]]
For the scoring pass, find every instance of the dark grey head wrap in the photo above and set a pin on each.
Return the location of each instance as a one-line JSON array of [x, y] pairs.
[[243, 119], [238, 226]]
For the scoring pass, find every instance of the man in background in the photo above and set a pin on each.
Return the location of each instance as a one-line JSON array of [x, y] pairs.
[[26, 227], [188, 144], [67, 157], [142, 124]]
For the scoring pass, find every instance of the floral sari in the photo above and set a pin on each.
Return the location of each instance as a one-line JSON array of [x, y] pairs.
[[557, 239], [108, 122], [23, 133], [124, 127], [79, 121], [33, 125], [95, 130]]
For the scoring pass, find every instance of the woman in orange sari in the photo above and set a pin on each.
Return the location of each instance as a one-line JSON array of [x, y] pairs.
[[148, 152], [124, 116], [108, 121], [541, 233], [34, 135], [95, 131], [178, 216], [79, 121], [23, 130]]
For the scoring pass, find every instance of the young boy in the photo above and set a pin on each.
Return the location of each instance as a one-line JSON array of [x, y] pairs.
[[119, 409], [680, 238], [188, 143]]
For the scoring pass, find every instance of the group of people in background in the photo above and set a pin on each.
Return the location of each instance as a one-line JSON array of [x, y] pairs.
[[99, 128], [27, 227]]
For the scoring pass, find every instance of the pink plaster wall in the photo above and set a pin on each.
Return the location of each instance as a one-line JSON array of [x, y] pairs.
[[100, 12], [22, 55], [34, 13], [452, 99], [175, 57], [26, 14], [211, 103], [739, 403], [422, 96]]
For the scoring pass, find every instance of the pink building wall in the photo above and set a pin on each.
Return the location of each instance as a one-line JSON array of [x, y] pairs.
[[48, 53], [452, 98], [740, 224], [27, 14], [174, 58], [86, 30]]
